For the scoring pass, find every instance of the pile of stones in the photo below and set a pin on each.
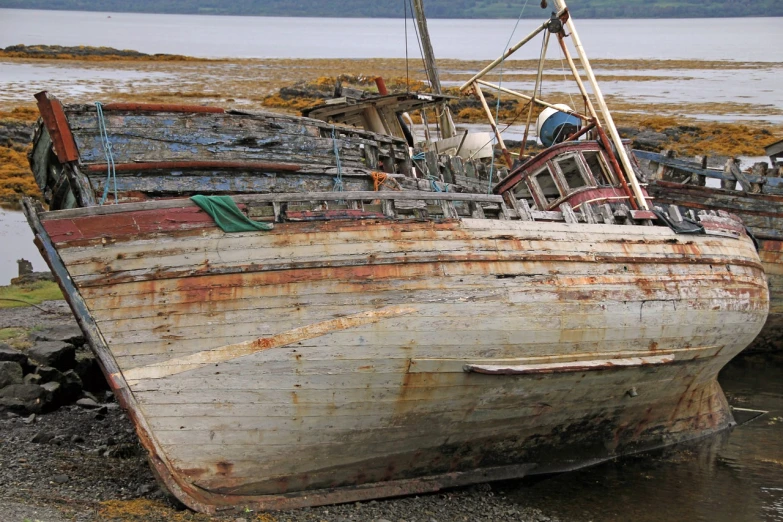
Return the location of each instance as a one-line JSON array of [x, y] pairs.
[[58, 369]]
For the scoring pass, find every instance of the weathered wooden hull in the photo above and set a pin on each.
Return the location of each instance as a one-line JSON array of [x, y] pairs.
[[763, 215], [334, 361]]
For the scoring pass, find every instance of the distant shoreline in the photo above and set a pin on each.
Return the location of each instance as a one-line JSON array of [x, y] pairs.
[[642, 12]]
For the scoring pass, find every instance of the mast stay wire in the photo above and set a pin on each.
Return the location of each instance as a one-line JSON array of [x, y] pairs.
[[497, 105], [407, 68], [565, 80]]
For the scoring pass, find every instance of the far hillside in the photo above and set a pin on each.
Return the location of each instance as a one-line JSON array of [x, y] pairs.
[[434, 8]]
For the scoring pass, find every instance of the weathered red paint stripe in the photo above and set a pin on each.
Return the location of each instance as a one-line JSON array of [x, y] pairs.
[[117, 225], [195, 165], [162, 107], [603, 195], [771, 245], [57, 125]]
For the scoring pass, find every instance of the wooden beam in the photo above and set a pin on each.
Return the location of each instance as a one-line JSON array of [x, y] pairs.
[[57, 125]]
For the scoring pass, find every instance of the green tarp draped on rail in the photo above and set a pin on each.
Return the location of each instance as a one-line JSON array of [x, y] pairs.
[[227, 215]]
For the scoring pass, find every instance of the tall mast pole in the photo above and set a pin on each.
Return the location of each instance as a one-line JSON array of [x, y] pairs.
[[618, 142], [446, 123]]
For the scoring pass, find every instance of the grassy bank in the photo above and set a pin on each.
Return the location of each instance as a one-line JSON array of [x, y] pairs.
[[15, 296]]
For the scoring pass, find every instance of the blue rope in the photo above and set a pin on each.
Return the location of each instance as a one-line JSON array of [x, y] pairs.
[[420, 156], [497, 105], [338, 181], [111, 174]]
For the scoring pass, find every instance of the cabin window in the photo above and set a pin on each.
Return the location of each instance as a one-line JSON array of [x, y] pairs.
[[598, 167], [572, 173], [544, 184]]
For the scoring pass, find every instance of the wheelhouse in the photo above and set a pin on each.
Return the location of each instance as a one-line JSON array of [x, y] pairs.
[[573, 172]]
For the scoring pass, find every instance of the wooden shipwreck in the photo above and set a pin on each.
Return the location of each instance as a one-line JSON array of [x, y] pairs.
[[756, 197], [407, 333]]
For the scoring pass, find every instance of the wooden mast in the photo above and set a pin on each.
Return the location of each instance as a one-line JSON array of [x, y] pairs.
[[444, 115]]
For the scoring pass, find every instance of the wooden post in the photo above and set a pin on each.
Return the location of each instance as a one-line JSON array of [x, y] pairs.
[[480, 96], [446, 124], [537, 101]]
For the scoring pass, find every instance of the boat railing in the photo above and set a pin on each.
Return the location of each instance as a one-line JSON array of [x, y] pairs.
[[768, 184], [387, 204]]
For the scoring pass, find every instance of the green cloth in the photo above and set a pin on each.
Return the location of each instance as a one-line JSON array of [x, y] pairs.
[[227, 215]]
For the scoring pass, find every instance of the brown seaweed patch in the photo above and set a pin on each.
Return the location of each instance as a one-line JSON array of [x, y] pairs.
[[25, 114], [143, 510], [16, 180]]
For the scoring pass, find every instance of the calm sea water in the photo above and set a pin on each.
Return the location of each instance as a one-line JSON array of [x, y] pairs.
[[736, 476], [742, 39]]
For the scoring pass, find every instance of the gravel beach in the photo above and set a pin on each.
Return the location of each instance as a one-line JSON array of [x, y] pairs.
[[85, 464]]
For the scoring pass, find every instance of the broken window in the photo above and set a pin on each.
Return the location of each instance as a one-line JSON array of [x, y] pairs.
[[544, 183], [598, 167], [572, 173]]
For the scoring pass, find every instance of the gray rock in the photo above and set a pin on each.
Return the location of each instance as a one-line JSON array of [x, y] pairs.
[[10, 354], [72, 386], [10, 373], [30, 419], [145, 489], [89, 372], [67, 333], [627, 132], [33, 378], [55, 390], [57, 354], [61, 479], [42, 437], [26, 397], [88, 404], [650, 140], [48, 373]]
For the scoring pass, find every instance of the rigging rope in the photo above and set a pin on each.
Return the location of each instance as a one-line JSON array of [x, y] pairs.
[[111, 171], [338, 181], [407, 68], [565, 79], [497, 106]]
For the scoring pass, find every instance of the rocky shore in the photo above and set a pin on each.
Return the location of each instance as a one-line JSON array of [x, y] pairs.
[[69, 452]]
